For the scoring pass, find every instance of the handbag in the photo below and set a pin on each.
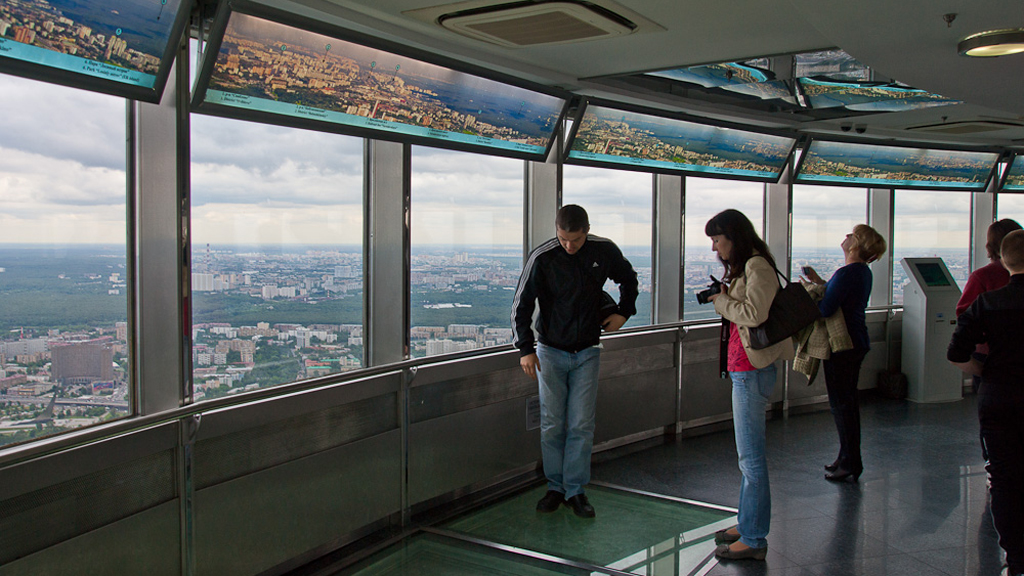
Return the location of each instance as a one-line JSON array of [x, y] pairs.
[[792, 310]]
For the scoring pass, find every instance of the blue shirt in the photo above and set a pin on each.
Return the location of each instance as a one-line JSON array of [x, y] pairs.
[[849, 289]]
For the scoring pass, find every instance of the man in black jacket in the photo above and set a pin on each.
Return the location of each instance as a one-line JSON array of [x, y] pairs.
[[997, 317], [566, 276]]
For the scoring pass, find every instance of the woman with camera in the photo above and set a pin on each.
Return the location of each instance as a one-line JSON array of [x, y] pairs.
[[848, 290], [744, 304]]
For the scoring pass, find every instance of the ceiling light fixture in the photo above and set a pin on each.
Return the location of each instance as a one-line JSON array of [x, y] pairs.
[[992, 43]]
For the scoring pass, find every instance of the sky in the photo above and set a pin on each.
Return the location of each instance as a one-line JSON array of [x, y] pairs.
[[62, 180]]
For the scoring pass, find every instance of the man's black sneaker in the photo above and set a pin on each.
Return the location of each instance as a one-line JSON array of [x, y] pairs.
[[580, 506], [551, 501]]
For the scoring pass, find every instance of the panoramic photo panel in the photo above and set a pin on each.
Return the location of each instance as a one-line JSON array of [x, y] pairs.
[[869, 97], [120, 47], [854, 164], [268, 70], [1015, 174], [609, 136], [716, 75]]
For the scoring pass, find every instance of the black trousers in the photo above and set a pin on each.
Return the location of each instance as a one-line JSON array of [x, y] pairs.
[[975, 387], [1002, 428], [842, 371]]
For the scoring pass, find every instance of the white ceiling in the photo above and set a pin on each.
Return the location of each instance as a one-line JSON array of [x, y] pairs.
[[906, 40]]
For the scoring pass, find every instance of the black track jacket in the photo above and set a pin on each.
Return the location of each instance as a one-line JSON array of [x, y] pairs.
[[568, 288]]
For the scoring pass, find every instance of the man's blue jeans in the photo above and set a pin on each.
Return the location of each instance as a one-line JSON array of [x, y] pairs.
[[568, 400], [750, 393]]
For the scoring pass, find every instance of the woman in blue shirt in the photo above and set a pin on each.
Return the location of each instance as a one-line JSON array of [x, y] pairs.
[[848, 290]]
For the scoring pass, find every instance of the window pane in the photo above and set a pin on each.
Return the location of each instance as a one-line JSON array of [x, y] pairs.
[[1010, 206], [822, 217], [63, 269], [620, 205], [927, 224], [277, 255], [704, 198], [467, 238]]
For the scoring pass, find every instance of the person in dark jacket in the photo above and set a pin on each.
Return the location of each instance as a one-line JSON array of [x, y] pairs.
[[989, 277], [997, 318], [565, 276]]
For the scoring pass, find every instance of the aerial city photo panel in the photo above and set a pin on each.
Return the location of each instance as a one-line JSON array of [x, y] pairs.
[[1015, 174], [117, 46], [856, 164], [269, 68], [869, 96], [645, 141]]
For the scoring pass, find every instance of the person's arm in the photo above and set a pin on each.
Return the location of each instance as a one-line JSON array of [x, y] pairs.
[[523, 305], [762, 283], [836, 291], [972, 289], [968, 333], [621, 272], [972, 366], [812, 275]]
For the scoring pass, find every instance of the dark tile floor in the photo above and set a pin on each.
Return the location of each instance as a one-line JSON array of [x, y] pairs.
[[921, 507]]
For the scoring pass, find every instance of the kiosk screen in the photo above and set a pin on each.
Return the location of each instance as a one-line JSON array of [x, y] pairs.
[[932, 274]]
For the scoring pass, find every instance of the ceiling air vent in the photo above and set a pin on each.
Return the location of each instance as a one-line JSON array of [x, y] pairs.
[[966, 127], [521, 24]]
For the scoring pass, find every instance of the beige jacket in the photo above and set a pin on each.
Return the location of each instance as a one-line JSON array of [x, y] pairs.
[[819, 340], [746, 305]]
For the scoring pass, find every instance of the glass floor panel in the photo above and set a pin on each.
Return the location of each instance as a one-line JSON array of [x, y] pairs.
[[427, 554], [633, 532]]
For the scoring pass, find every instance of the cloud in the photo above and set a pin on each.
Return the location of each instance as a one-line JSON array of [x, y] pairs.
[[63, 123], [618, 202], [706, 197], [1011, 206], [290, 182], [601, 189], [466, 199], [62, 179], [262, 149], [33, 183], [272, 224], [824, 215], [926, 220]]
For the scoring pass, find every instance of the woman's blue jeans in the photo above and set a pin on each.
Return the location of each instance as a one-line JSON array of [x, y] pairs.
[[568, 402], [750, 393]]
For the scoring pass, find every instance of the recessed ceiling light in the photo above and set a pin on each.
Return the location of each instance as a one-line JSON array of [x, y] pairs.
[[992, 43]]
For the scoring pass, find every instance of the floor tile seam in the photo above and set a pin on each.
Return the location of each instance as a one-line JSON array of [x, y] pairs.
[[940, 566], [523, 552], [939, 548], [828, 567], [673, 499], [861, 551]]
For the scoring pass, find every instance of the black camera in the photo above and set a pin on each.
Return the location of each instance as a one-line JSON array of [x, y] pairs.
[[714, 288]]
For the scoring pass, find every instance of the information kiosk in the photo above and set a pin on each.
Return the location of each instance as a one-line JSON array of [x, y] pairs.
[[929, 318]]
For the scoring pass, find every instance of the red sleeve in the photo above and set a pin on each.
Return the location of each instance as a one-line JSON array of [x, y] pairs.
[[972, 289]]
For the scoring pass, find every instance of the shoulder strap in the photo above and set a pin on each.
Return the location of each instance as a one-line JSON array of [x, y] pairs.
[[780, 276]]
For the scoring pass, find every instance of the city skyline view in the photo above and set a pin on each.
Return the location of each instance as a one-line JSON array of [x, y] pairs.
[[271, 67], [277, 193], [266, 317], [618, 136]]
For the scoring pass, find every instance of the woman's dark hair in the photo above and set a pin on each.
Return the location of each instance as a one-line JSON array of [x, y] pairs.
[[737, 229], [996, 232]]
